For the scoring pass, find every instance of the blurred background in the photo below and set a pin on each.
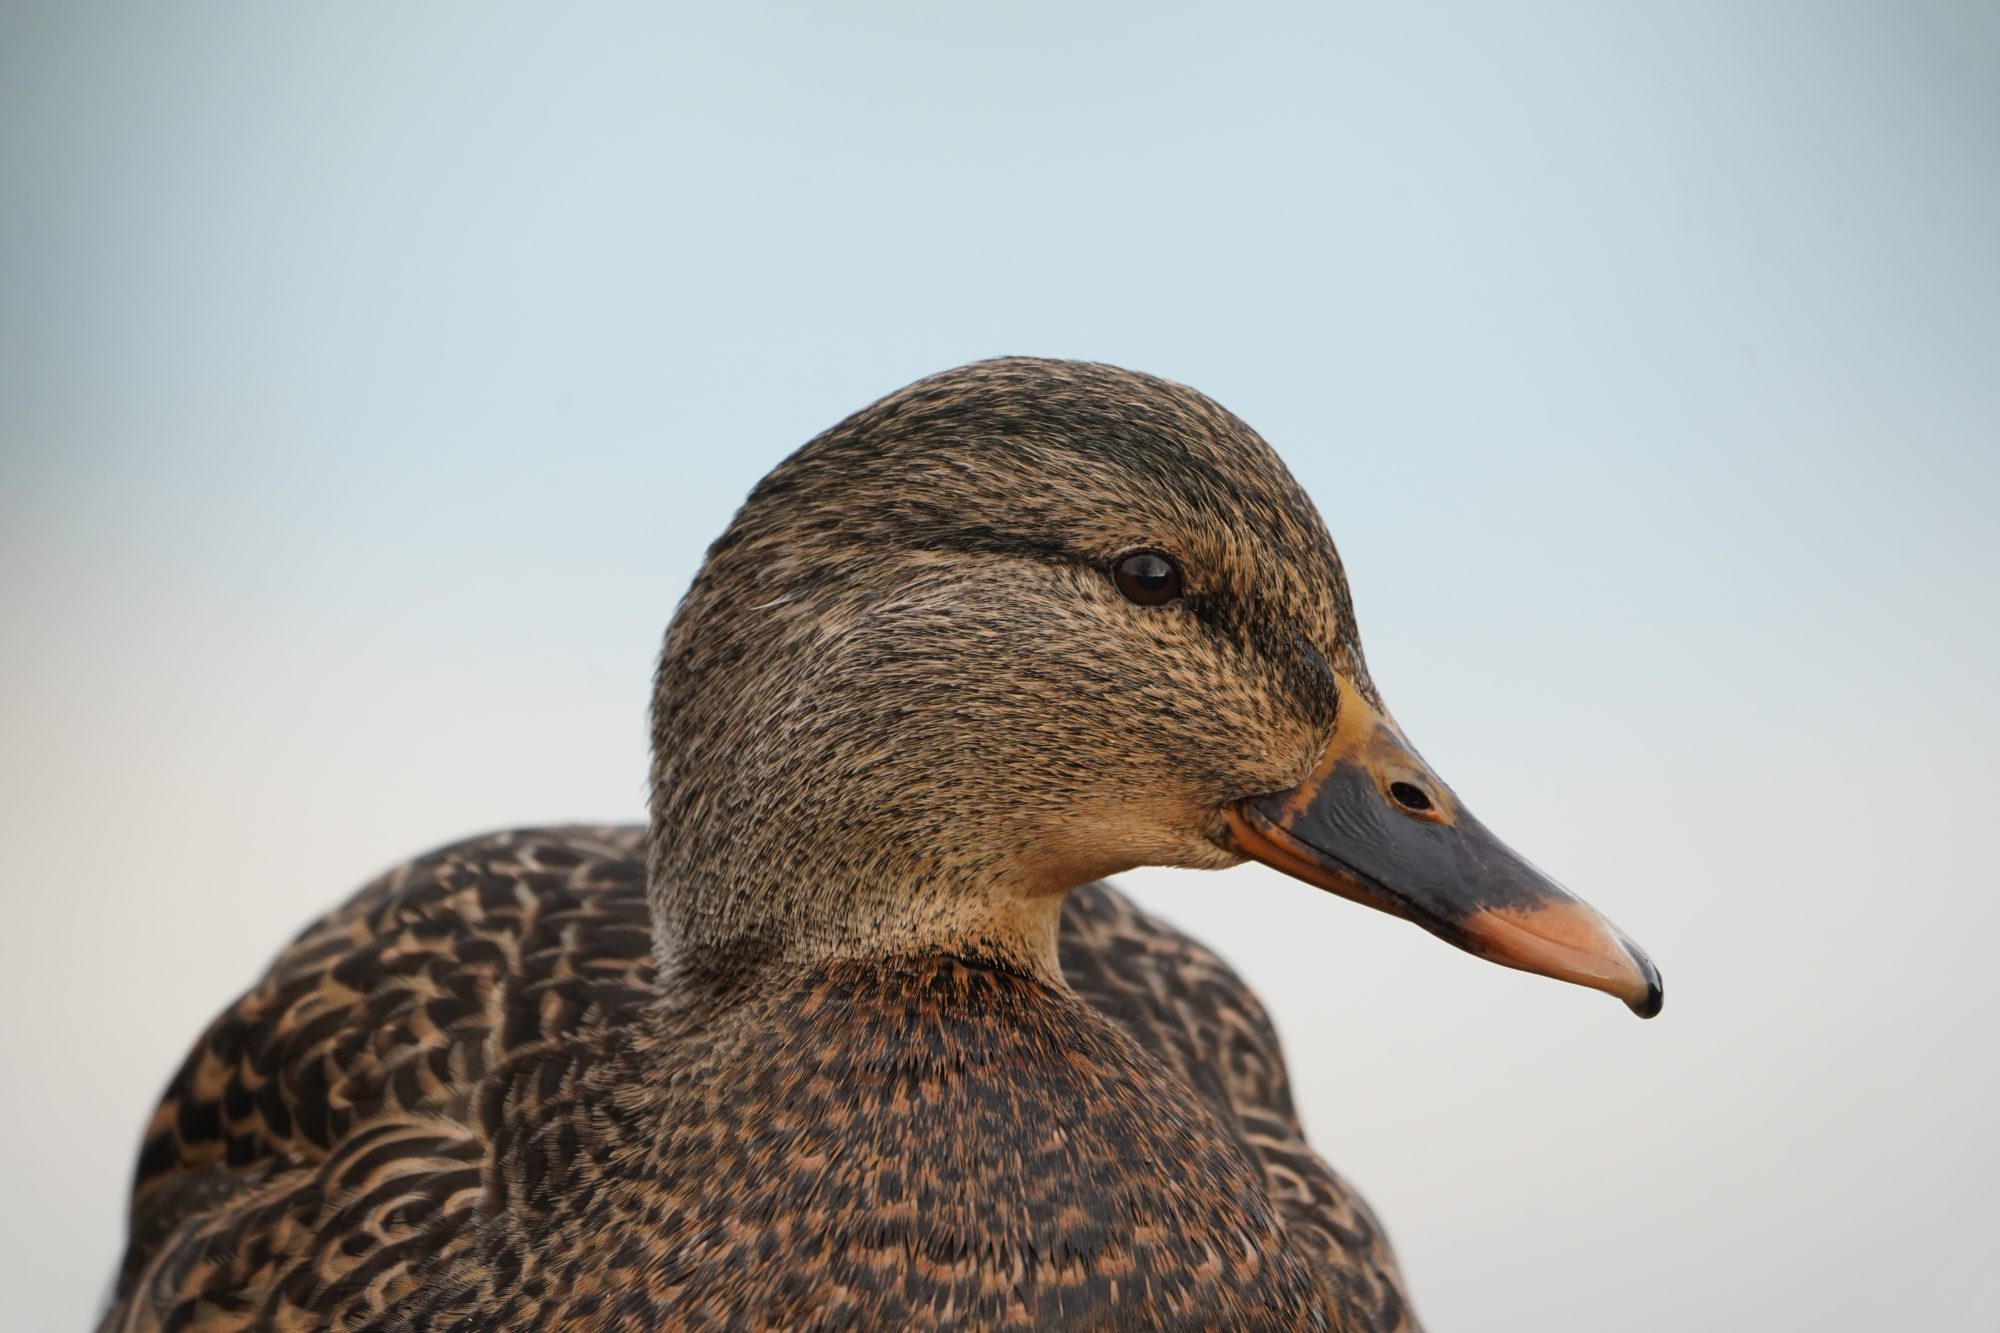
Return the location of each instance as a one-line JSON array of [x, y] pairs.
[[372, 379]]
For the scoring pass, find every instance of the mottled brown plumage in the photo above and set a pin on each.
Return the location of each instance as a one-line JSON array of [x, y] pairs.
[[838, 1041]]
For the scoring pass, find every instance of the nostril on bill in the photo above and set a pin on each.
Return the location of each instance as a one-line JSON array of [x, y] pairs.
[[1411, 797]]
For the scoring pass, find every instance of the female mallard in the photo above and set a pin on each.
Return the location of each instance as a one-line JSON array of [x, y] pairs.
[[849, 1036]]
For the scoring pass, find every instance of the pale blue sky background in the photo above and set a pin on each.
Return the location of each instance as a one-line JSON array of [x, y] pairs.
[[371, 378]]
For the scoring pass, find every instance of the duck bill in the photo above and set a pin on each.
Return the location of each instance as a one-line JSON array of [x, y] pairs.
[[1373, 823]]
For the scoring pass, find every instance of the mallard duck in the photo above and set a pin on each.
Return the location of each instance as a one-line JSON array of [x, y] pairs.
[[852, 1033]]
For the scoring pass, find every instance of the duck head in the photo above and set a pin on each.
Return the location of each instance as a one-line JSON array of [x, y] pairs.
[[1022, 625]]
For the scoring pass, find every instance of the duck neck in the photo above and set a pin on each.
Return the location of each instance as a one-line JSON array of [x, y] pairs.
[[789, 830], [736, 899]]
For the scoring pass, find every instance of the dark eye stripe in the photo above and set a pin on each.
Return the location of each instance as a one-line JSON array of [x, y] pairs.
[[1147, 578]]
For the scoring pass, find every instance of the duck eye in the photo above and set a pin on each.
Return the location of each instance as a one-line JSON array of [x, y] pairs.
[[1148, 578]]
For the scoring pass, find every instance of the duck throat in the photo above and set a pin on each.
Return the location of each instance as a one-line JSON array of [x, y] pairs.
[[735, 898]]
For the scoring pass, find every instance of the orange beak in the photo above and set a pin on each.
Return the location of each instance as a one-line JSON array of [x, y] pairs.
[[1373, 823]]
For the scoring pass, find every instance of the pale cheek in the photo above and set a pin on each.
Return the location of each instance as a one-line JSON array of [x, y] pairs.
[[1242, 734], [1273, 752]]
